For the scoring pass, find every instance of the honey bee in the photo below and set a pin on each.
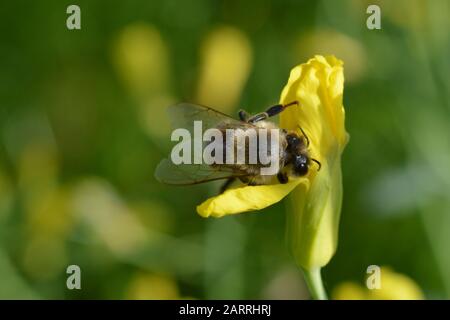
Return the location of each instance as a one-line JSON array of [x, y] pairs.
[[292, 155]]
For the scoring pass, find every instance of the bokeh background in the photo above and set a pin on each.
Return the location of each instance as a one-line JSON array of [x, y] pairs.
[[83, 126]]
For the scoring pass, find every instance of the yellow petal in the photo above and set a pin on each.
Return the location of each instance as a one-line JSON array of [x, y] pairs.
[[313, 220], [246, 198], [318, 86]]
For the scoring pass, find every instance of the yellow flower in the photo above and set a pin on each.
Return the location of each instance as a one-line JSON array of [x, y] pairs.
[[313, 220], [316, 198], [394, 286]]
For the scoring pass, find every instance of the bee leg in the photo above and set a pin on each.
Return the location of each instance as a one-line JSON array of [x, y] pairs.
[[270, 112], [248, 181], [243, 115], [226, 184], [282, 177], [244, 179]]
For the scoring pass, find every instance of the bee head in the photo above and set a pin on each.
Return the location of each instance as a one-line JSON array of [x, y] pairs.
[[299, 160], [298, 155]]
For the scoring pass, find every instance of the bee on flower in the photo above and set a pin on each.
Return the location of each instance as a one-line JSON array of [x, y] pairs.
[[312, 124]]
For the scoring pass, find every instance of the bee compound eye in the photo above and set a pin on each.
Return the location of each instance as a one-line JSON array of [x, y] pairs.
[[293, 141], [300, 166]]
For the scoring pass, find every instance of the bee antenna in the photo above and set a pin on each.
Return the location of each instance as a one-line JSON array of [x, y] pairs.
[[318, 163], [304, 135]]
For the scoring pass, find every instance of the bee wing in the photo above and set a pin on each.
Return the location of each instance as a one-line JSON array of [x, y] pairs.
[[183, 115], [186, 174]]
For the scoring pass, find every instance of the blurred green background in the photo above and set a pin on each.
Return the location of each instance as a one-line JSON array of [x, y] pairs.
[[83, 126]]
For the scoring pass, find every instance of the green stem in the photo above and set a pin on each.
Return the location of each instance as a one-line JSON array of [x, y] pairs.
[[314, 281]]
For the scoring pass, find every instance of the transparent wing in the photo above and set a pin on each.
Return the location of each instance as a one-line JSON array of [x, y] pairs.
[[183, 115], [184, 174]]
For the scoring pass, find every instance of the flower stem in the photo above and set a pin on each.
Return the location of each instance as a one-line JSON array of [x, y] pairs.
[[314, 281]]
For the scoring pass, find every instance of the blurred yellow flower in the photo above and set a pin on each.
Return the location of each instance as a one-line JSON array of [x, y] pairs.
[[316, 199], [152, 287], [113, 222], [141, 58], [394, 286], [226, 60]]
